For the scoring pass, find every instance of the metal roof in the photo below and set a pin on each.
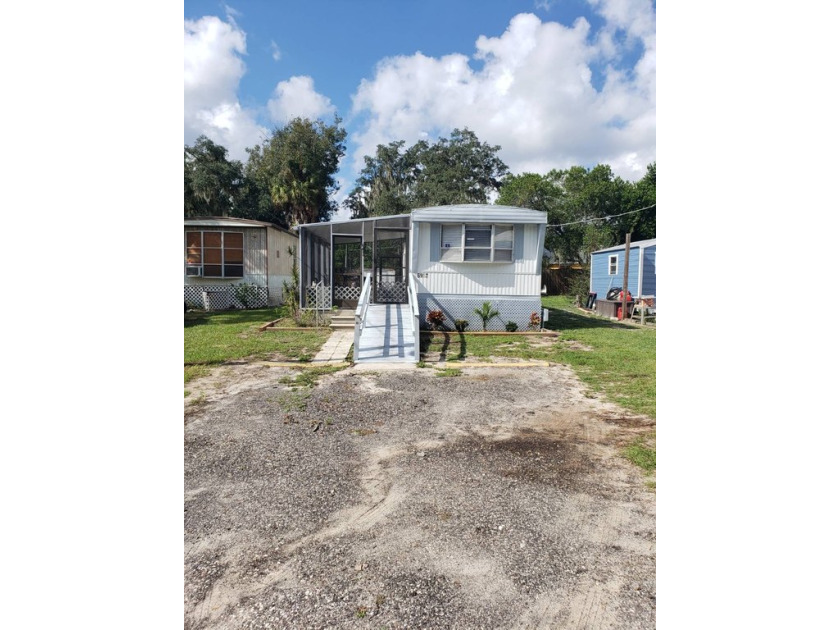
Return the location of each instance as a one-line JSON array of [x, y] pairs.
[[232, 222], [479, 213], [640, 244]]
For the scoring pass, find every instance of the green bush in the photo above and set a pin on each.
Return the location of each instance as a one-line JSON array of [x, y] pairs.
[[246, 294]]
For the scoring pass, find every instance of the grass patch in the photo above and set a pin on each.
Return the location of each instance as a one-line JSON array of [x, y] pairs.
[[642, 452], [448, 372], [622, 363], [308, 377], [213, 338], [192, 372]]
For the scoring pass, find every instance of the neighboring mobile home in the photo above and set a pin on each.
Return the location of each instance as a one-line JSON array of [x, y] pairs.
[[606, 270], [223, 253], [449, 258]]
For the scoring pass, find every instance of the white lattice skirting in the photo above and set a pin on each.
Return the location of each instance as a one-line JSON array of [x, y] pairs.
[[319, 297], [392, 292], [221, 298], [512, 309]]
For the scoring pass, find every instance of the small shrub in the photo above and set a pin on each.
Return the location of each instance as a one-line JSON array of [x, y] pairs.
[[535, 321], [436, 319], [511, 326], [246, 294], [306, 318], [461, 325]]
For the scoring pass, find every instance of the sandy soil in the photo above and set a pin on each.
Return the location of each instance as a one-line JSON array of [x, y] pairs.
[[401, 499]]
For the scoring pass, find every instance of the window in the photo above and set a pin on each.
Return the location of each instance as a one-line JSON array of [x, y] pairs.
[[613, 265], [216, 254], [476, 243]]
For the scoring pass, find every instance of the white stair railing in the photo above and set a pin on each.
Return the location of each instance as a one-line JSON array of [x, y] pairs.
[[415, 314], [361, 314]]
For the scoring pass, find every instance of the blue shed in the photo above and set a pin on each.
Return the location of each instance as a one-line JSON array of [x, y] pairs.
[[606, 269]]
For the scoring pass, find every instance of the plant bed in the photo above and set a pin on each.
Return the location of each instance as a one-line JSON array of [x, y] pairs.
[[272, 325]]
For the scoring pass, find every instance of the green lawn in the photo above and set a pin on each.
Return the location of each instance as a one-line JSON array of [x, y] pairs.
[[211, 338]]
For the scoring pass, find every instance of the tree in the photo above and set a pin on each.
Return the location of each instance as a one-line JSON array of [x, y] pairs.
[[460, 169], [530, 190], [385, 183], [212, 183], [297, 167], [586, 207], [642, 195]]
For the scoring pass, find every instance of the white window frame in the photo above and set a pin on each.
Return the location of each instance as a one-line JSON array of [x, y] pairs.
[[222, 248], [493, 247], [612, 265]]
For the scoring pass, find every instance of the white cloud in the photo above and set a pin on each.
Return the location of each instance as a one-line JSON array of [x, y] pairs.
[[275, 51], [297, 97], [533, 94], [213, 67]]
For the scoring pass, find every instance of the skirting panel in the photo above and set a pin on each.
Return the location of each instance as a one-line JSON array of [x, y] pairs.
[[513, 309], [220, 297]]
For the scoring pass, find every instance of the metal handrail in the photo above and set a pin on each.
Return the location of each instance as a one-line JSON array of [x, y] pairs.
[[361, 314], [415, 314]]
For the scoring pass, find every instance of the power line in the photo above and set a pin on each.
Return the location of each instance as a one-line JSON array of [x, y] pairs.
[[600, 218]]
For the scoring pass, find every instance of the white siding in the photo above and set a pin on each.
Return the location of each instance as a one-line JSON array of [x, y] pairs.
[[279, 263], [478, 278]]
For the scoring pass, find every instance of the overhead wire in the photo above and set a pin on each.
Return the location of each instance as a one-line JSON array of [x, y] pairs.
[[613, 216]]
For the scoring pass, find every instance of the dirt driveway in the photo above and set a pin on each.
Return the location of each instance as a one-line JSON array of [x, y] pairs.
[[402, 499]]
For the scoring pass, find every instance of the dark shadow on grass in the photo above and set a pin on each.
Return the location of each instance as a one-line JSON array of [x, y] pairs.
[[463, 353], [559, 319], [241, 316]]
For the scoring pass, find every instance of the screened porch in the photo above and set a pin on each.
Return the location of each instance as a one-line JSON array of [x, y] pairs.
[[336, 256]]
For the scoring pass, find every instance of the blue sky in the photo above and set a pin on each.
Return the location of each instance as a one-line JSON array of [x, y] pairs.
[[554, 83]]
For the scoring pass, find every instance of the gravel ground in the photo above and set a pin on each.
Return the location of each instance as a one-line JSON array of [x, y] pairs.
[[401, 499]]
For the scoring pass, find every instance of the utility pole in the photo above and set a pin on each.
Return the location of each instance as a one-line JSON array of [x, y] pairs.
[[626, 275]]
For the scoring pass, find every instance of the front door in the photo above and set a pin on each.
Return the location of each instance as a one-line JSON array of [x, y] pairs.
[[390, 266], [347, 270]]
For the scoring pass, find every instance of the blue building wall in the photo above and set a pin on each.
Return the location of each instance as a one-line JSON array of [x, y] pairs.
[[601, 281]]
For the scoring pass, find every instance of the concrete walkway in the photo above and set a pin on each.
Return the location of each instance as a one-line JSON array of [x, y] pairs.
[[337, 347]]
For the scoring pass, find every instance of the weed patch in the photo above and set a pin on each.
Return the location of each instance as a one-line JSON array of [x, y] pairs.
[[308, 377], [294, 400]]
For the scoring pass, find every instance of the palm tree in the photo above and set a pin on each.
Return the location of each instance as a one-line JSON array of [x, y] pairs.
[[486, 313]]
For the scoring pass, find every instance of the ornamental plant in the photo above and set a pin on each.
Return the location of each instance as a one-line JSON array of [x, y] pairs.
[[436, 319], [486, 313]]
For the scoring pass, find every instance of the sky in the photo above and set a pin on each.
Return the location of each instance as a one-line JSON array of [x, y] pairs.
[[554, 83]]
